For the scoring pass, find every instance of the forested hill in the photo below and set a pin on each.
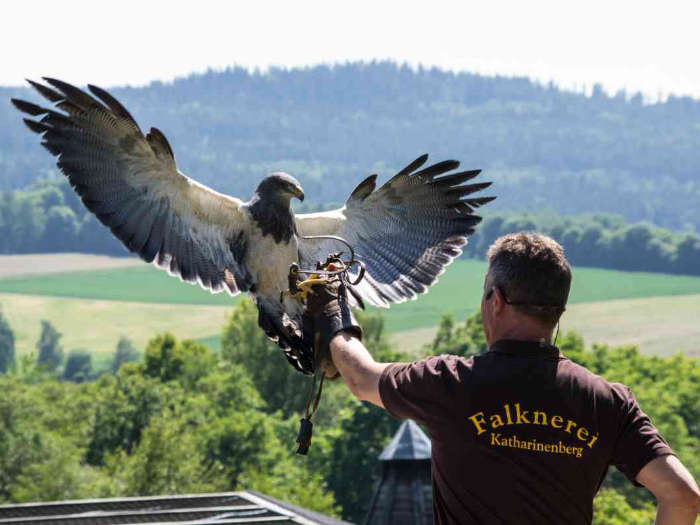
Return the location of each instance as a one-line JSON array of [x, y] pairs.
[[331, 126]]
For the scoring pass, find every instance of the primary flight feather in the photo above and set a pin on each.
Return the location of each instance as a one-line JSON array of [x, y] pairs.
[[405, 233]]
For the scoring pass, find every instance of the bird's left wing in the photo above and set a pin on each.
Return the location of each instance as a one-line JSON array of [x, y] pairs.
[[131, 183], [405, 233]]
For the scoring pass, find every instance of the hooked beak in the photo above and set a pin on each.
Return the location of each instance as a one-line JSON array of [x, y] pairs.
[[299, 193]]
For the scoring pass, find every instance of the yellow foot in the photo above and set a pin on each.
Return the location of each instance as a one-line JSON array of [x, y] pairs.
[[304, 288]]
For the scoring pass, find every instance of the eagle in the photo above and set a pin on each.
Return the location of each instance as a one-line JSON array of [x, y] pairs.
[[405, 233]]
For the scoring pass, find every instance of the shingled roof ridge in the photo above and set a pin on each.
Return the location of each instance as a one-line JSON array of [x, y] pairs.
[[409, 443]]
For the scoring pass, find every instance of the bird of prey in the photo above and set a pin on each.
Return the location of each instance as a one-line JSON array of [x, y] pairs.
[[405, 233]]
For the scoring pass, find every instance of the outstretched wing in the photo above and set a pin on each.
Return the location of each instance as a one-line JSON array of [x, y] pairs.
[[131, 183], [406, 232]]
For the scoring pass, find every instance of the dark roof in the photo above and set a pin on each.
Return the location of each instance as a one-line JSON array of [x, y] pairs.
[[215, 509], [409, 442], [315, 517]]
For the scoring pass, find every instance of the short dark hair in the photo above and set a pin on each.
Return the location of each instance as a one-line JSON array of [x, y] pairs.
[[532, 273]]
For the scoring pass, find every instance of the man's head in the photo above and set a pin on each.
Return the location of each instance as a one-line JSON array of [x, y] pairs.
[[526, 287]]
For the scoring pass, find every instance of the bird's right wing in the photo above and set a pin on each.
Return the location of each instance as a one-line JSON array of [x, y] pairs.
[[131, 183]]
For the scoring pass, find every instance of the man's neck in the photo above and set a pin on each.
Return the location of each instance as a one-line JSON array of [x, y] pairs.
[[523, 331]]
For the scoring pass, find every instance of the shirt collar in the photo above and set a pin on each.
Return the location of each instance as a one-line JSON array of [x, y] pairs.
[[520, 348]]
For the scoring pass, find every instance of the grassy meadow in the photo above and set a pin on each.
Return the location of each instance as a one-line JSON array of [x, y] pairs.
[[92, 308], [96, 325], [658, 325]]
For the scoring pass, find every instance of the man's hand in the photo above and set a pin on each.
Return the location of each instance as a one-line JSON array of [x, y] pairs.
[[338, 342], [328, 312]]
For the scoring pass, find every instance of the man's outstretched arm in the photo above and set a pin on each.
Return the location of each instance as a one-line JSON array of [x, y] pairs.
[[677, 495], [359, 370]]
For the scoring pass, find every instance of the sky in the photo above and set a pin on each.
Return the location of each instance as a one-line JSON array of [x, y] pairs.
[[650, 47]]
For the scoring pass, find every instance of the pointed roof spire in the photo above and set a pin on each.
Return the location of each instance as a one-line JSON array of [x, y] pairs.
[[409, 442], [404, 493]]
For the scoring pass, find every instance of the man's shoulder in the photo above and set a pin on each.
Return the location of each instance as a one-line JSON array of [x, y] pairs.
[[435, 363], [583, 378], [443, 368]]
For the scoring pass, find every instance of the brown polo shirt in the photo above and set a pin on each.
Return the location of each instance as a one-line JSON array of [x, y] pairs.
[[520, 434]]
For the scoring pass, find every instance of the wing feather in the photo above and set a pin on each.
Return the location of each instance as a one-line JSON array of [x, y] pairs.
[[406, 232], [131, 183]]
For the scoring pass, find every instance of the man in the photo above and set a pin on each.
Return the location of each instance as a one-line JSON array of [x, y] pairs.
[[520, 434]]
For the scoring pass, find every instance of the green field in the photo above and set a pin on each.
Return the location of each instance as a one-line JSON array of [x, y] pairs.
[[458, 291], [143, 283], [93, 308]]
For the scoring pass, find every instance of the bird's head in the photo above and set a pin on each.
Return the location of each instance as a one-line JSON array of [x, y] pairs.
[[280, 185]]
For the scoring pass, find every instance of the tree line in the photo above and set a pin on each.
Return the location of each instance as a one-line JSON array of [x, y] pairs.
[[331, 126], [50, 357], [599, 240], [49, 217], [182, 419]]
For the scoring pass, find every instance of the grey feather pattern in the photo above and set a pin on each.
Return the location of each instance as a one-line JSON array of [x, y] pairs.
[[406, 232], [131, 183]]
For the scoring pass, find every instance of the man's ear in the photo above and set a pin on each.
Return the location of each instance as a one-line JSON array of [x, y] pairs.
[[498, 302]]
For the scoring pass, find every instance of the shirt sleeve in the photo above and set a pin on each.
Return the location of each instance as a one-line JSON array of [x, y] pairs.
[[639, 441], [421, 390]]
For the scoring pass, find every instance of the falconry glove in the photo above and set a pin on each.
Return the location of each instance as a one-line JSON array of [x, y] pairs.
[[329, 313]]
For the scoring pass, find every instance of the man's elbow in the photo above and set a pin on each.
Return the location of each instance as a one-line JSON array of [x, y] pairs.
[[689, 498], [365, 388], [674, 487], [684, 497], [357, 387]]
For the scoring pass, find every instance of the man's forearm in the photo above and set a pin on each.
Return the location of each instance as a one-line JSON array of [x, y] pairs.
[[670, 513], [360, 371]]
